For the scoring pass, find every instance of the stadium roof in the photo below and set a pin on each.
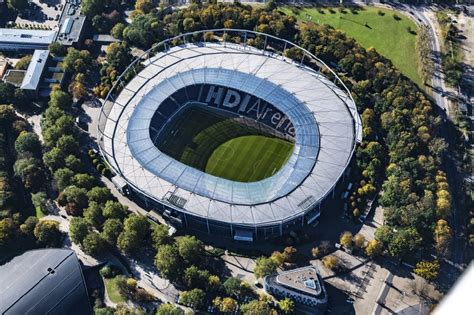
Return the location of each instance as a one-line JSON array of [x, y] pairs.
[[35, 70], [45, 281], [325, 120]]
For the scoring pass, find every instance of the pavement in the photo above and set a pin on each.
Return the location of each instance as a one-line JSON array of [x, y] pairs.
[[43, 13]]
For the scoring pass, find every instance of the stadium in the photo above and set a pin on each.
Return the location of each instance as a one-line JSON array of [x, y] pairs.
[[228, 139]]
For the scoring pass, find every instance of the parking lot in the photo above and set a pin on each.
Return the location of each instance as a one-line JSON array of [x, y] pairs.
[[46, 13]]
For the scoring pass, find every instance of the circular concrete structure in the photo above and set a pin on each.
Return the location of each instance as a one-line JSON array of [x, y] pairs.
[[299, 102]]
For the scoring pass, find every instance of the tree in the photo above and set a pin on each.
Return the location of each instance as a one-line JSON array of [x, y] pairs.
[[135, 229], [428, 270], [442, 237], [100, 195], [75, 200], [196, 278], [235, 287], [77, 89], [315, 251], [160, 235], [346, 239], [23, 63], [93, 215], [78, 229], [68, 144], [57, 49], [118, 56], [8, 231], [48, 234], [190, 248], [264, 266], [54, 159], [39, 200], [73, 163], [169, 309], [83, 181], [7, 112], [289, 253], [373, 248], [17, 4], [117, 30], [196, 298], [278, 258], [404, 242], [144, 5], [7, 92], [60, 99], [27, 144], [62, 178], [114, 209], [287, 306], [359, 240], [77, 61], [111, 230], [256, 307], [30, 171], [28, 226], [91, 8], [93, 244], [169, 262], [331, 262], [225, 305]]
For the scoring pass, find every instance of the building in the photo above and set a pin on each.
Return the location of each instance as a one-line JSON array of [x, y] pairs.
[[22, 40], [303, 285], [317, 113], [3, 67], [45, 281], [34, 73], [71, 24]]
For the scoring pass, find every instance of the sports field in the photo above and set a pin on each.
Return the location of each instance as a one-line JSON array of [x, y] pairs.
[[221, 145], [249, 158], [389, 36]]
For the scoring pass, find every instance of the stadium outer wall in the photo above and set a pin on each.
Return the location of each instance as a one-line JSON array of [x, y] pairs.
[[270, 46]]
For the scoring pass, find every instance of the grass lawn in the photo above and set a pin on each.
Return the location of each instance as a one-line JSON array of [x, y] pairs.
[[387, 35], [39, 213], [249, 158], [112, 291]]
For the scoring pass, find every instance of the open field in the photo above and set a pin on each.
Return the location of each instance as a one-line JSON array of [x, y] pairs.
[[249, 158], [389, 36], [112, 290]]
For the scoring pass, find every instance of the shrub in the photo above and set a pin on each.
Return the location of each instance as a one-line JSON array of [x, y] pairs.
[[331, 262], [100, 167], [380, 12]]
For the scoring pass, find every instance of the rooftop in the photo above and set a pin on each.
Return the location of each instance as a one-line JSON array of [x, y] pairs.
[[45, 281], [35, 70], [70, 24], [40, 37], [303, 279]]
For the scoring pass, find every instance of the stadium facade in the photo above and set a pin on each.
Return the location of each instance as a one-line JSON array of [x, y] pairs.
[[303, 101]]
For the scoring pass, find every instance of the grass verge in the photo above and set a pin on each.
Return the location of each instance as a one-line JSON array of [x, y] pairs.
[[113, 291]]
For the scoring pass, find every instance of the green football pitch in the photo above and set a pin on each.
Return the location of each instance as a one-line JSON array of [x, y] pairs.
[[249, 158], [222, 146]]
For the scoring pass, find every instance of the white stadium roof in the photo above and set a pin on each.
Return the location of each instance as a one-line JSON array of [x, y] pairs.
[[325, 119]]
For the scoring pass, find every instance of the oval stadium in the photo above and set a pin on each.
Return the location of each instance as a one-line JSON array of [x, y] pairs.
[[228, 139]]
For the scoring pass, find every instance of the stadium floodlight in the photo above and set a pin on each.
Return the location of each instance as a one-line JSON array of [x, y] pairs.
[[229, 78]]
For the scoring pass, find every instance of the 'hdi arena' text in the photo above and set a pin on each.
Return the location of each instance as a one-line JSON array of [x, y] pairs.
[[248, 105]]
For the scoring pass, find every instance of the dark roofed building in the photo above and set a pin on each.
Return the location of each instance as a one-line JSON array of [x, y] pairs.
[[303, 285], [45, 281]]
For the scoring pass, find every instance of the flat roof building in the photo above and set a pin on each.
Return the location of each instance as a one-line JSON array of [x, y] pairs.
[[303, 285], [45, 281], [20, 39], [71, 24]]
